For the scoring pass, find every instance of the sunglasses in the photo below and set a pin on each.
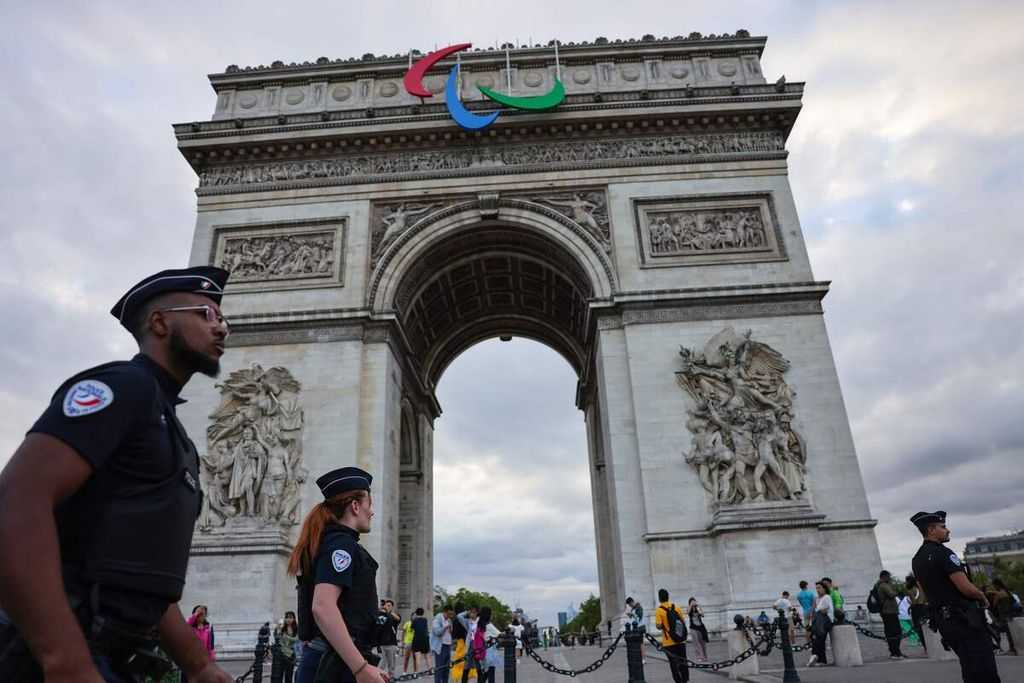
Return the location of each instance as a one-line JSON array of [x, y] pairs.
[[212, 315]]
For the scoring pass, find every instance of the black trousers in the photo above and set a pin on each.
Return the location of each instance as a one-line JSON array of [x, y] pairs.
[[973, 647], [893, 633], [677, 662]]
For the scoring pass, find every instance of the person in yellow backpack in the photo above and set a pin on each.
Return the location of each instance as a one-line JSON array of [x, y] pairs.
[[670, 621]]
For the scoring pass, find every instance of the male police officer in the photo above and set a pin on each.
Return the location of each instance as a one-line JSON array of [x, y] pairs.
[[956, 605], [98, 504]]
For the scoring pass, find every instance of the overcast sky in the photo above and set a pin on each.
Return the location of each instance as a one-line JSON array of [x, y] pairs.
[[905, 163]]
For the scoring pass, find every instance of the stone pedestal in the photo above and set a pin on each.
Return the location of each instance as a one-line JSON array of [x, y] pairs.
[[845, 647], [1017, 632], [933, 641], [738, 643]]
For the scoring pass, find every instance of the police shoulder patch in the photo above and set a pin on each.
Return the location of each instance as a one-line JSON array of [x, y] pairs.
[[954, 559], [341, 560], [86, 397]]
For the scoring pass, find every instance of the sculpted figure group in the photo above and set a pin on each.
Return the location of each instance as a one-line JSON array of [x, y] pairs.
[[680, 232], [253, 467], [744, 445], [279, 256]]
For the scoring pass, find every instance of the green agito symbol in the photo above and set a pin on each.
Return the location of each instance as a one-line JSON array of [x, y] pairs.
[[462, 116]]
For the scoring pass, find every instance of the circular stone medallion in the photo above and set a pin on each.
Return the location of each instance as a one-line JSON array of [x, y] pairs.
[[247, 101], [388, 90], [581, 76], [294, 96], [630, 74], [679, 72], [485, 81], [341, 93], [435, 85], [533, 79], [727, 69]]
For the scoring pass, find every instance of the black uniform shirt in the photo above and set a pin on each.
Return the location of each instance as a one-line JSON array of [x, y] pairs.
[[335, 558], [932, 565], [112, 416], [341, 561]]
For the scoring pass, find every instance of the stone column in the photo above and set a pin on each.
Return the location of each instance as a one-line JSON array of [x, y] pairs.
[[845, 646], [933, 641]]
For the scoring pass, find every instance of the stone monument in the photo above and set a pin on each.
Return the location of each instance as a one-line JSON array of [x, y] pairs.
[[644, 228]]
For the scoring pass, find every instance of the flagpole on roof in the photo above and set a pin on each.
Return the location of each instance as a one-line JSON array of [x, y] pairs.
[[508, 70], [458, 63], [558, 67]]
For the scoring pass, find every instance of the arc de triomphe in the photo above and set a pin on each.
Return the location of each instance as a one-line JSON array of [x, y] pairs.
[[644, 229]]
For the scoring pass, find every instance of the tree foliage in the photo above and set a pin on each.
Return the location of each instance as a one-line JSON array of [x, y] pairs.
[[1012, 574], [588, 619], [501, 614]]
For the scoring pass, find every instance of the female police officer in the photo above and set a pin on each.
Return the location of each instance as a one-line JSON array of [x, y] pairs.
[[337, 601]]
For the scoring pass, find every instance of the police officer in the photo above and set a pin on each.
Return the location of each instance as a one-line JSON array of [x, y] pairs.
[[956, 605], [337, 581], [98, 504]]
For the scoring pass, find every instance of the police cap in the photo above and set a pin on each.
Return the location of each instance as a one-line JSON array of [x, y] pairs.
[[344, 479], [206, 280], [920, 519]]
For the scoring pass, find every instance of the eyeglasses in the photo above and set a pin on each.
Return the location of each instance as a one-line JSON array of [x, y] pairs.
[[212, 315]]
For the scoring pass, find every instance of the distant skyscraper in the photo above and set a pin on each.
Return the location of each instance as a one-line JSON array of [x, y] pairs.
[[563, 619]]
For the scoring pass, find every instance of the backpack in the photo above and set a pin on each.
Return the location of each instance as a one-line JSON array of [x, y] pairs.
[[874, 601], [479, 651], [675, 627]]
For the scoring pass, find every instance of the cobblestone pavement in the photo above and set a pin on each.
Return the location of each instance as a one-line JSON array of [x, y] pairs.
[[877, 669]]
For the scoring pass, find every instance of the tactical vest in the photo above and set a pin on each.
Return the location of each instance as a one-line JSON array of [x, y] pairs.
[[135, 528]]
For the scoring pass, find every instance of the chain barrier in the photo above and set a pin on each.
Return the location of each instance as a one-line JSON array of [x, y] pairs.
[[244, 676], [430, 672], [768, 636], [572, 673], [877, 636]]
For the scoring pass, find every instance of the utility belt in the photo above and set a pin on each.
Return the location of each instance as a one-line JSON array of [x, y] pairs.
[[331, 668], [968, 611]]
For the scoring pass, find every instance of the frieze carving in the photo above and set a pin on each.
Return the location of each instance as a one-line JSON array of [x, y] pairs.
[[466, 160], [684, 232], [589, 210], [279, 257], [744, 446], [252, 470]]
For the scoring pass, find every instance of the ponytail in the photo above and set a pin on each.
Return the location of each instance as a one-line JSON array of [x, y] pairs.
[[322, 514]]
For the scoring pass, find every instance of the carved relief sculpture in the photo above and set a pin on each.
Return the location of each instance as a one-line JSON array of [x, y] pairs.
[[391, 221], [683, 232], [279, 257], [253, 465], [588, 209], [744, 447]]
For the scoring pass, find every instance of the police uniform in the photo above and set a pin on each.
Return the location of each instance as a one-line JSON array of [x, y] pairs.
[[342, 562], [960, 621], [125, 534]]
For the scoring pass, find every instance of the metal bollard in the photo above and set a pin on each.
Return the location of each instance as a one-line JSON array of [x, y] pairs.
[[276, 664], [257, 666], [634, 657], [507, 643], [789, 674]]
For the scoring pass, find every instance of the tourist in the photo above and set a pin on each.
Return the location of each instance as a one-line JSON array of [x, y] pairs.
[[203, 629], [806, 599], [516, 629], [860, 614], [1002, 608], [420, 639], [824, 615], [286, 636], [763, 619], [458, 644], [669, 618], [837, 598], [918, 608], [903, 604], [483, 659], [407, 636], [783, 604], [388, 621], [636, 617], [890, 613], [796, 623], [469, 620], [441, 643], [698, 631]]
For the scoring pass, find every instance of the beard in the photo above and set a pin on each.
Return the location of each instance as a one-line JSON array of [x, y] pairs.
[[193, 359]]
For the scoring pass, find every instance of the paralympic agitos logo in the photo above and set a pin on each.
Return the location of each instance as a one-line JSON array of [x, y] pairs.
[[462, 116]]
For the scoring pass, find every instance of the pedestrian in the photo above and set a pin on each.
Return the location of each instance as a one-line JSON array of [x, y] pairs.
[[468, 619], [286, 636], [955, 604], [698, 631], [890, 613], [516, 629], [203, 630], [337, 582], [459, 634], [420, 639], [388, 620], [837, 598], [441, 643], [483, 659], [906, 621], [670, 620], [763, 620], [824, 616], [407, 636], [102, 497], [796, 623], [636, 619], [1002, 612], [806, 598], [783, 605], [918, 609]]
